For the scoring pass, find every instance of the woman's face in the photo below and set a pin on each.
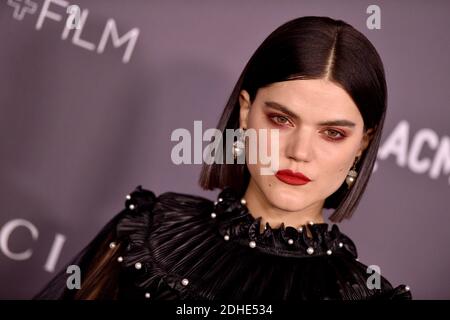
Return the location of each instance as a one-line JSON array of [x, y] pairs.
[[322, 152]]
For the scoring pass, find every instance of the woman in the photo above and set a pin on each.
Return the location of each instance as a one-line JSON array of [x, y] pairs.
[[320, 84]]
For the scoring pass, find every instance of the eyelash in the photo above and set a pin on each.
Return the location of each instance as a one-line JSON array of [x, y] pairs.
[[332, 138]]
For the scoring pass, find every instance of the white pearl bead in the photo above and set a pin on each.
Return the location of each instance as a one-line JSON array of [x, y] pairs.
[[243, 201], [128, 197], [329, 252], [311, 223], [350, 181], [290, 241], [112, 245], [252, 244], [407, 288], [341, 244], [310, 250], [300, 229], [238, 151], [215, 203], [131, 206], [226, 237], [147, 295], [138, 265], [185, 282], [120, 259], [213, 215], [220, 199]]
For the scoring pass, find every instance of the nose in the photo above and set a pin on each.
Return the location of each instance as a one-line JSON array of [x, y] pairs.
[[299, 145]]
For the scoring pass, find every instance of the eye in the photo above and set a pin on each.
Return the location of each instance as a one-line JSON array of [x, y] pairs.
[[279, 119], [335, 135]]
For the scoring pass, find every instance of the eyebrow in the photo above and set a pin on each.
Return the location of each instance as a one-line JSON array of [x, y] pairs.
[[286, 110]]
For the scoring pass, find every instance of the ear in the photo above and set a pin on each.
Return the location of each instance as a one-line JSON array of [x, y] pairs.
[[365, 141], [244, 102]]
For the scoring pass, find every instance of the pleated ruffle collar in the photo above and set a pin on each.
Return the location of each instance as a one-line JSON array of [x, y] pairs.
[[179, 246], [235, 223]]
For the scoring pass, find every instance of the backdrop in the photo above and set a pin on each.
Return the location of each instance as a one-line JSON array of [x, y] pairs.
[[89, 99]]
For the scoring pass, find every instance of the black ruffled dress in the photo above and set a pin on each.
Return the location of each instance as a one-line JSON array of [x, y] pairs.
[[179, 246]]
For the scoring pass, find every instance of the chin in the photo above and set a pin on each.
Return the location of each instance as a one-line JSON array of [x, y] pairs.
[[293, 206], [286, 197]]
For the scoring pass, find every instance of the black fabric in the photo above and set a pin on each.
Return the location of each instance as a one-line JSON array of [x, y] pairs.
[[180, 246]]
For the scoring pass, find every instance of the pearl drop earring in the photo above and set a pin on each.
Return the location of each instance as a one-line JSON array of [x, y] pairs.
[[239, 144], [352, 174]]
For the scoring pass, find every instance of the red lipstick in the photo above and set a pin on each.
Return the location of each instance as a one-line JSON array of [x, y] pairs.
[[290, 177]]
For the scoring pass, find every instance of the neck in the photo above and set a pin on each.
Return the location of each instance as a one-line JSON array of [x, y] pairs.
[[259, 206]]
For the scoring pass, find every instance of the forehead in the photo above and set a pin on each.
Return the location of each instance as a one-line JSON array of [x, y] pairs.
[[311, 97]]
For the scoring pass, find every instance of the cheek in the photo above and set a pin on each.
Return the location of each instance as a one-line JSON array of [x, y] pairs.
[[338, 158], [255, 119], [333, 172]]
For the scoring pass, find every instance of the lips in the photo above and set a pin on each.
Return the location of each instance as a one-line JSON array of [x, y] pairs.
[[293, 178]]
